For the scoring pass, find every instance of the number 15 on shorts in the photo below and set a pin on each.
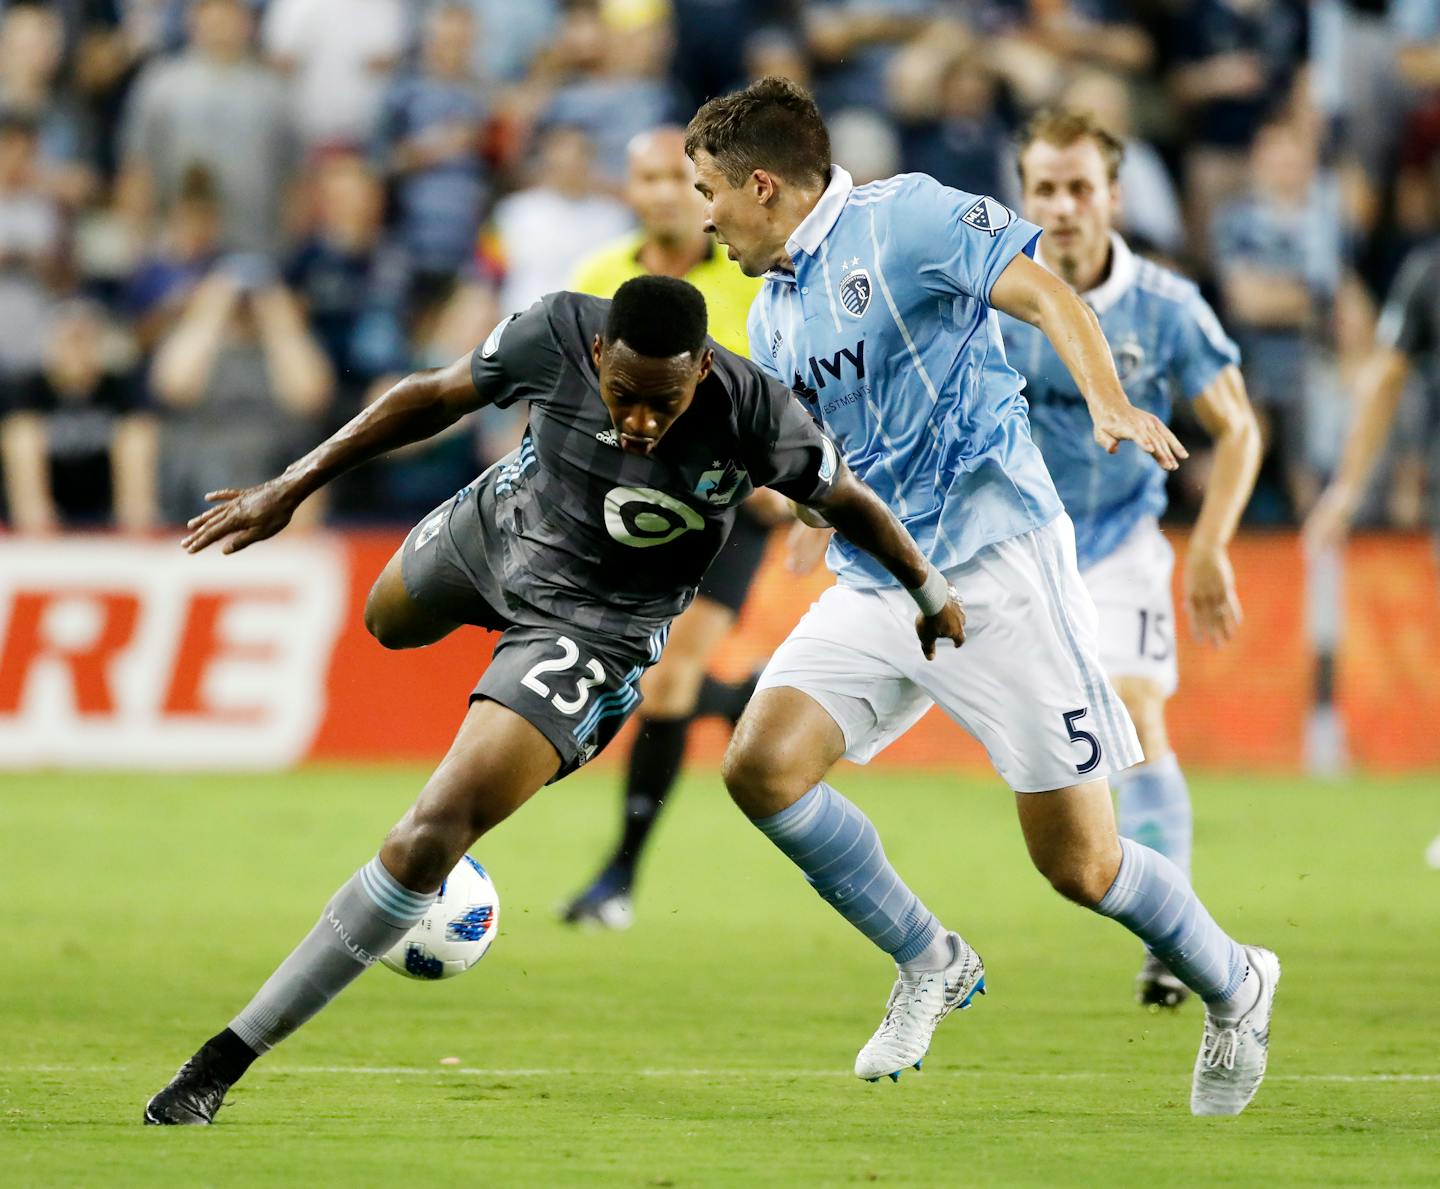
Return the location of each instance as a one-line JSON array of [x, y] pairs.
[[1092, 761]]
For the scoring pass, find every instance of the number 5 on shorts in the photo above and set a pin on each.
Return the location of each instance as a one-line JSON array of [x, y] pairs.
[[1071, 718]]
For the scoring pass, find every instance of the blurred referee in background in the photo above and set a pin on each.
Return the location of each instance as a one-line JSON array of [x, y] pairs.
[[660, 187]]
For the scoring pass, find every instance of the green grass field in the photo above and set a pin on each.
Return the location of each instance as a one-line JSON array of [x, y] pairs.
[[712, 1044]]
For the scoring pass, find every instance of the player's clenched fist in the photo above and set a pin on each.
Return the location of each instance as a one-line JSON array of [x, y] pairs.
[[946, 624]]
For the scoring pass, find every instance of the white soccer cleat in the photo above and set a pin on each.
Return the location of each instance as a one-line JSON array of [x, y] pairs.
[[1232, 1058], [1432, 854], [917, 1004]]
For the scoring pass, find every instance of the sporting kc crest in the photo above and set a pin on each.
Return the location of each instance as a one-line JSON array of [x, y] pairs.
[[855, 291]]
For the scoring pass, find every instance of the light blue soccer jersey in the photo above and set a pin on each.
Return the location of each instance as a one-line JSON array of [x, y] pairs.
[[1165, 338], [885, 330]]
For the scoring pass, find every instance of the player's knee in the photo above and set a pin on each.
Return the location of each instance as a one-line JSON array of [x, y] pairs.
[[424, 847], [758, 780], [672, 689], [1084, 879], [380, 625]]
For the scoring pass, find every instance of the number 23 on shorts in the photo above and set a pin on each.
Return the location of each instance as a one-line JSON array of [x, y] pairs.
[[593, 674]]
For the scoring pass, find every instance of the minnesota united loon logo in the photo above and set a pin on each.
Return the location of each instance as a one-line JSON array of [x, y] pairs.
[[855, 289], [719, 485]]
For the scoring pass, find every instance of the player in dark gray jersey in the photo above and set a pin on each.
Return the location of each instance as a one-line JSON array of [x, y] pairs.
[[1407, 339], [579, 548]]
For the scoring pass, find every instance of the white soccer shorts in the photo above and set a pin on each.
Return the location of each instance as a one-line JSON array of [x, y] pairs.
[[1131, 589], [1027, 683]]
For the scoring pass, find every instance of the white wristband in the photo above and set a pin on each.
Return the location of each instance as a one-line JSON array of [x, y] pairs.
[[932, 595]]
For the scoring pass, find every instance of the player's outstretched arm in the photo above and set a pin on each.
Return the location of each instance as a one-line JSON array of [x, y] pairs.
[[416, 408], [1027, 291], [1381, 386], [1223, 408], [864, 519]]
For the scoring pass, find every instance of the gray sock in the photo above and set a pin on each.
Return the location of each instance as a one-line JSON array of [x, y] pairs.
[[368, 915]]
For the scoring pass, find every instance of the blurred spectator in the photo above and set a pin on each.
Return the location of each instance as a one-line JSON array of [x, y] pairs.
[[1150, 208], [186, 247], [513, 34], [955, 127], [616, 55], [431, 134], [776, 53], [1278, 257], [213, 106], [350, 281], [339, 55], [31, 44], [865, 144], [852, 42], [1417, 30], [244, 383], [543, 231], [1235, 61], [713, 39], [78, 445], [1095, 32], [31, 248]]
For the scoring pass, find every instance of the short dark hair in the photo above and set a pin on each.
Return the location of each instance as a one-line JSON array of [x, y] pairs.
[[1062, 127], [658, 317], [772, 124]]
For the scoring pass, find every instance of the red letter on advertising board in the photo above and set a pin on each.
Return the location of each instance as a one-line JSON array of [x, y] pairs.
[[24, 644], [201, 645]]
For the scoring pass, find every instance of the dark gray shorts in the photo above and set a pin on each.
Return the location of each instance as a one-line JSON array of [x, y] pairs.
[[575, 690]]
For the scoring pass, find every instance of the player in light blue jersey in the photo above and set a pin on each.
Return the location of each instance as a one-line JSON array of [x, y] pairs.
[[879, 308], [1165, 340]]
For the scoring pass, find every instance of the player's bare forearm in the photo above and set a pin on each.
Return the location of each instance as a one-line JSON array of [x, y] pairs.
[[418, 407], [1225, 412], [1027, 291], [865, 520], [1379, 398], [1381, 385]]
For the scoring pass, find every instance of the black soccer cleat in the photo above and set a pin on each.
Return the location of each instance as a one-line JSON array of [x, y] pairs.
[[1156, 988], [606, 903], [193, 1096]]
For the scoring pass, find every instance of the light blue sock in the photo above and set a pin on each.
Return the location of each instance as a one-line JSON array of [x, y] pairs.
[[1152, 898], [1153, 805], [837, 848]]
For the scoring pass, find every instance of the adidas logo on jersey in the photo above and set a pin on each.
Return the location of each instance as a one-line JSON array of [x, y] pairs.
[[607, 436]]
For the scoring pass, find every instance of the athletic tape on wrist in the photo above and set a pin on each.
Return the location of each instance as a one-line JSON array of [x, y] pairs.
[[932, 595]]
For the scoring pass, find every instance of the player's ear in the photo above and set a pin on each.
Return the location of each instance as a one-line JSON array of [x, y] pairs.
[[597, 348], [707, 362], [763, 185]]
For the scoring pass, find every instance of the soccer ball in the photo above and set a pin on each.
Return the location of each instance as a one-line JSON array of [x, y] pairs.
[[456, 932]]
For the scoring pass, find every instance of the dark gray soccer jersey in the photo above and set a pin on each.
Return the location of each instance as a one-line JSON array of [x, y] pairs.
[[1410, 323], [579, 531], [1411, 319]]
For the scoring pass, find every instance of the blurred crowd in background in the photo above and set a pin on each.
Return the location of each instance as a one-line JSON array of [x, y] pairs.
[[226, 225]]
